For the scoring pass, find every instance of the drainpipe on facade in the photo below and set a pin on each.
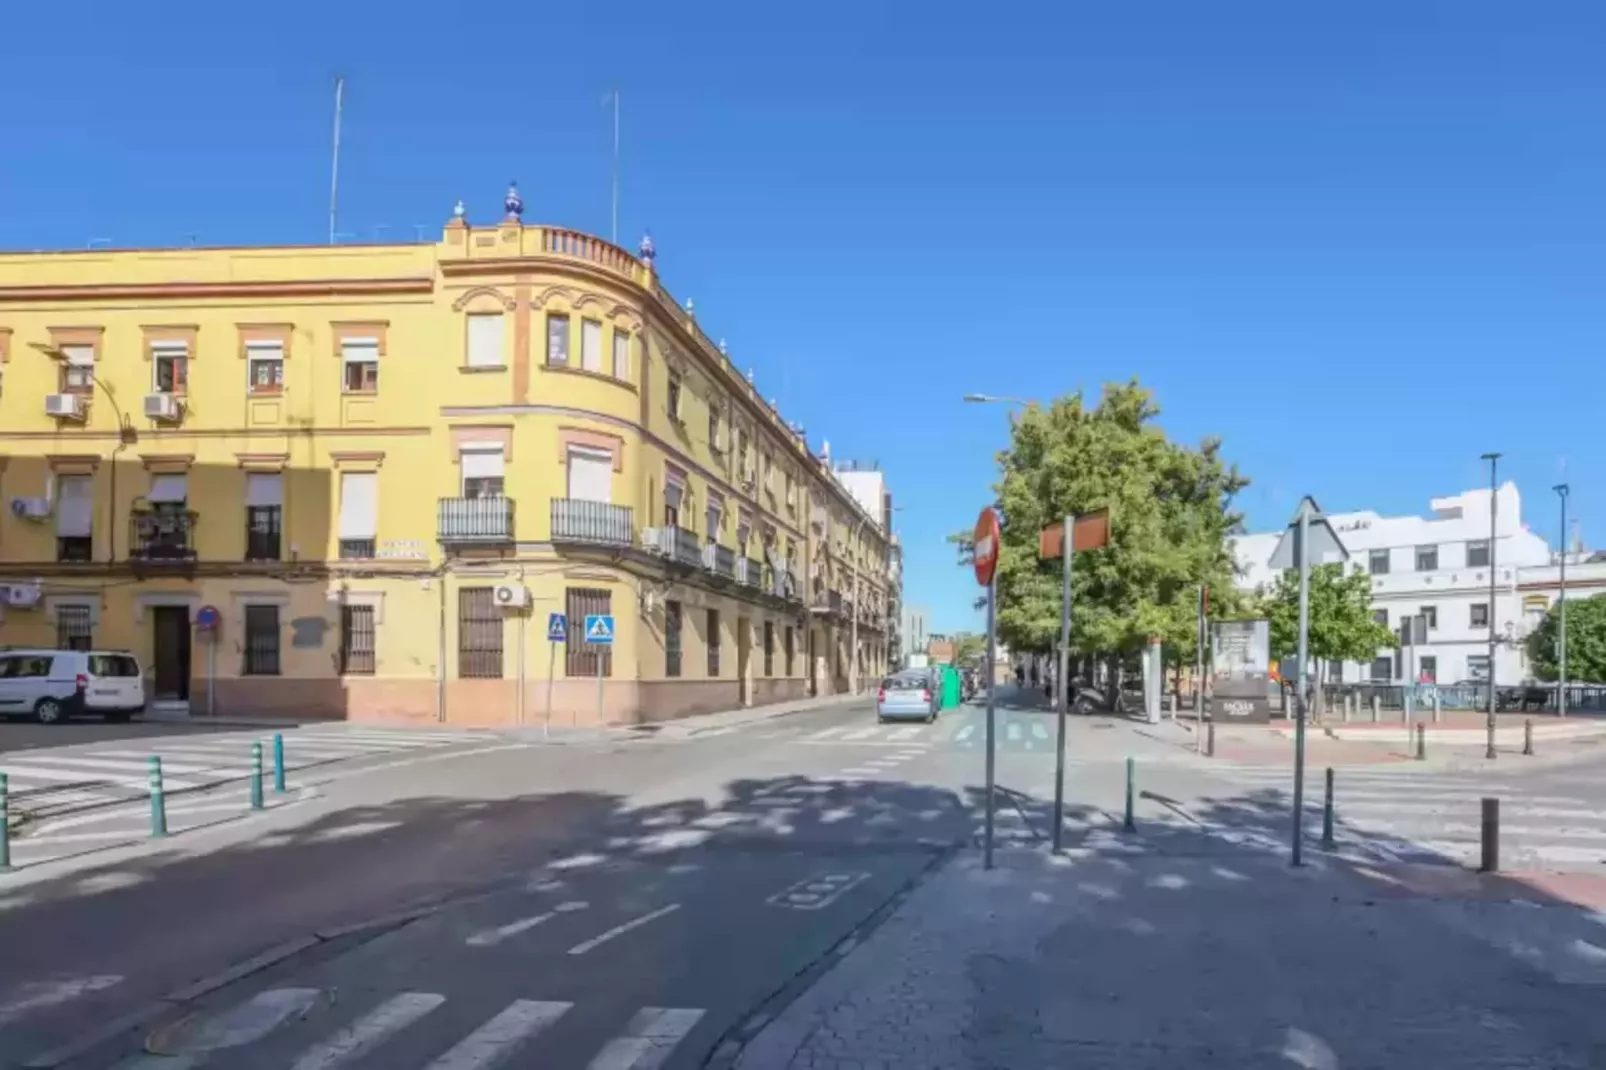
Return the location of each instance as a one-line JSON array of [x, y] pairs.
[[440, 650]]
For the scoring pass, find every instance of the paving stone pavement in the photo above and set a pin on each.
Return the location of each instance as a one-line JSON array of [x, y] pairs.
[[1239, 962]]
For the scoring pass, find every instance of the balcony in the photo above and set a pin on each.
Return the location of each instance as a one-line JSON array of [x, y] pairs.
[[163, 536], [592, 523], [828, 601], [475, 520], [750, 572], [683, 547], [720, 560]]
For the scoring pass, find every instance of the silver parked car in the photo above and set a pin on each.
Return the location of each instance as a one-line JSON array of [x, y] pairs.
[[912, 694]]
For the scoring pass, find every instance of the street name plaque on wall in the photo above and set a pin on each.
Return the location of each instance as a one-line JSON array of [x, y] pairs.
[[1240, 671]]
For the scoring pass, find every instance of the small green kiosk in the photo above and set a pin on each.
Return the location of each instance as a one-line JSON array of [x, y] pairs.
[[950, 688]]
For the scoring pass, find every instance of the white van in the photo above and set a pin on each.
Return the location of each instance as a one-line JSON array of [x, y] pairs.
[[53, 685]]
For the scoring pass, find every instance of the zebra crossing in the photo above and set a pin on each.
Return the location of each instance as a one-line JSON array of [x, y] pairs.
[[57, 780], [963, 731], [310, 1028], [1411, 816]]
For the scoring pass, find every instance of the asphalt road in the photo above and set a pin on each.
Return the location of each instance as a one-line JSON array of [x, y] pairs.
[[610, 905]]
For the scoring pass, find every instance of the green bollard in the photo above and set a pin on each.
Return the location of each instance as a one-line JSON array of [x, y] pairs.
[[5, 824], [1130, 824], [256, 775], [158, 800], [1421, 742], [278, 763], [1327, 813]]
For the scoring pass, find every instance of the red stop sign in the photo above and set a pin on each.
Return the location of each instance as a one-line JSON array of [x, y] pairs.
[[985, 544]]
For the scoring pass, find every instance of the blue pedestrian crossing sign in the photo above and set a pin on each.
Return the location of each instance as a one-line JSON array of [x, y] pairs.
[[557, 628], [599, 629]]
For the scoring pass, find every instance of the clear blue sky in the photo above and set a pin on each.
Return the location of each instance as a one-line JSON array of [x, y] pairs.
[[1363, 242]]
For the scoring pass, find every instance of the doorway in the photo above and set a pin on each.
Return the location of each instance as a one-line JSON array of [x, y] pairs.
[[744, 654], [171, 654]]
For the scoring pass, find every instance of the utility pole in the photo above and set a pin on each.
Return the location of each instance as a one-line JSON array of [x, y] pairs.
[[334, 168], [1562, 490], [614, 233], [1494, 509]]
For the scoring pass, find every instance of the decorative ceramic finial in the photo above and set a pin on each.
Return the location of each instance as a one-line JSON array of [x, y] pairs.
[[689, 308], [458, 210], [750, 375], [722, 350], [646, 250], [513, 202]]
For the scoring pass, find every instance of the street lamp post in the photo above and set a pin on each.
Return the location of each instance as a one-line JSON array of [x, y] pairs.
[[1562, 490], [125, 434], [1494, 509]]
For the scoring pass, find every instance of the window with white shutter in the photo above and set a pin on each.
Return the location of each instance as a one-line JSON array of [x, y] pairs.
[[264, 515], [621, 354], [75, 506], [264, 367], [168, 490], [591, 345], [359, 513], [590, 475], [484, 474], [485, 336], [359, 358], [557, 339]]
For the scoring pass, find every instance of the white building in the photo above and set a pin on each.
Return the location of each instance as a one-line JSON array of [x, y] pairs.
[[1438, 566], [915, 633]]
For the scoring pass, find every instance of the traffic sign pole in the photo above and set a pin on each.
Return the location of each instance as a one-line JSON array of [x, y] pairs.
[[984, 556], [557, 631]]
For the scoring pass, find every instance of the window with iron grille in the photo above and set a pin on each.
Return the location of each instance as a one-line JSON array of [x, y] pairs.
[[1427, 558], [671, 638], [75, 548], [787, 649], [479, 634], [356, 549], [713, 643], [356, 640], [73, 628], [1478, 553], [580, 657], [261, 641], [769, 649], [262, 524], [1378, 562], [1479, 615]]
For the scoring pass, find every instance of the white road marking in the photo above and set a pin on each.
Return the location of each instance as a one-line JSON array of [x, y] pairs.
[[492, 937], [1013, 731], [84, 775], [496, 1040], [862, 733], [965, 733], [620, 930], [828, 733], [245, 1023], [648, 1039], [818, 892], [908, 732], [859, 771], [40, 994], [369, 1031], [1039, 731], [125, 767]]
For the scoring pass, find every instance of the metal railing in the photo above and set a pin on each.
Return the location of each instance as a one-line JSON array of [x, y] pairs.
[[474, 520], [1533, 698], [163, 535], [595, 523], [724, 561], [750, 572], [683, 546]]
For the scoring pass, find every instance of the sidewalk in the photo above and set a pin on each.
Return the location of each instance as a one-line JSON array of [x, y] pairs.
[[1232, 961]]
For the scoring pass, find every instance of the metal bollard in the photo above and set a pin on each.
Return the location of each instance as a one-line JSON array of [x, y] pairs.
[[1421, 742], [1528, 737], [1347, 699], [1491, 836], [1377, 709], [1130, 824], [5, 824], [278, 763], [1327, 812], [1210, 739], [256, 775], [158, 799], [1437, 709]]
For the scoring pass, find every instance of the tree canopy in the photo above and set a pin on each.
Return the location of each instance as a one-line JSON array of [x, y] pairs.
[[1340, 607], [1171, 517], [1586, 641]]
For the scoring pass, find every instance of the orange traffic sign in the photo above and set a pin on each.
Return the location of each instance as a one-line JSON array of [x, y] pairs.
[[1090, 532], [985, 546]]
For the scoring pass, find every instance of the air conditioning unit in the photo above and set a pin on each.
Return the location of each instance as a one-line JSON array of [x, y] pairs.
[[653, 540], [163, 406], [23, 595], [30, 508], [511, 595], [65, 406]]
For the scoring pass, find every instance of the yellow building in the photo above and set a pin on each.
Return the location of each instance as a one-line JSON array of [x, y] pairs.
[[358, 481]]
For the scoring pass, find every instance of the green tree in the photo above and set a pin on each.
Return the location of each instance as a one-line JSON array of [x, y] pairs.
[[1586, 641], [969, 647], [1171, 517], [1340, 620]]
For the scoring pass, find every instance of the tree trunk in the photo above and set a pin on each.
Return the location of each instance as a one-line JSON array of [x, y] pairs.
[[1112, 682], [1319, 703]]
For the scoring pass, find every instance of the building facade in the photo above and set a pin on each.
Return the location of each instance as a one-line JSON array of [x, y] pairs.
[[1438, 567], [361, 481]]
